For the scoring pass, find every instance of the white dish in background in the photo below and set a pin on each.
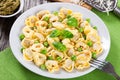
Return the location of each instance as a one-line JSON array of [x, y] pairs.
[[15, 43]]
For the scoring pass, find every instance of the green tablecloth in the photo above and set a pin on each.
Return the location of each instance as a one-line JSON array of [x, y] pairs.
[[11, 69]]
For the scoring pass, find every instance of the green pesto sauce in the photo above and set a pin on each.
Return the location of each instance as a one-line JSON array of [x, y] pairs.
[[8, 7]]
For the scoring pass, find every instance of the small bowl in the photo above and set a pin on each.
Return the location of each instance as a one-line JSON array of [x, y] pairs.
[[15, 13]]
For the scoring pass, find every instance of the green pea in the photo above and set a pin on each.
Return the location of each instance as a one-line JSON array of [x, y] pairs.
[[46, 19], [59, 58], [22, 49], [73, 57], [68, 16], [33, 27], [79, 49], [90, 43], [55, 13], [46, 44], [94, 55], [43, 51], [88, 20], [81, 29], [21, 37], [43, 67], [94, 27], [50, 25], [84, 36], [60, 20], [36, 42], [50, 58]]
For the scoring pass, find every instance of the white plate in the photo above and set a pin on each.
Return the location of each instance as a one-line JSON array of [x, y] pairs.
[[19, 24]]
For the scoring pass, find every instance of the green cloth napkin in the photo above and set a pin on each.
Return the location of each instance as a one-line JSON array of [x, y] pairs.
[[11, 69]]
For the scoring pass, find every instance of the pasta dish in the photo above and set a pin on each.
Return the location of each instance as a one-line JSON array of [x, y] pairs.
[[59, 39]]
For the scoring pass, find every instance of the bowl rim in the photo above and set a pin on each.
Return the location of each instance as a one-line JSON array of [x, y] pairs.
[[18, 11]]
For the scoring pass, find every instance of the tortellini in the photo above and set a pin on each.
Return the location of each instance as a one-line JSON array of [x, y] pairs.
[[58, 25], [27, 54], [38, 58], [36, 47], [26, 42], [30, 21], [60, 39], [42, 13], [28, 32], [52, 66], [68, 65]]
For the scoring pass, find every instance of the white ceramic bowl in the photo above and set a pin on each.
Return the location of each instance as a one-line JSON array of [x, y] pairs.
[[16, 30], [18, 11]]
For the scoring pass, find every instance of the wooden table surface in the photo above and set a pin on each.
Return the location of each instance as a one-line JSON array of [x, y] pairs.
[[5, 26]]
